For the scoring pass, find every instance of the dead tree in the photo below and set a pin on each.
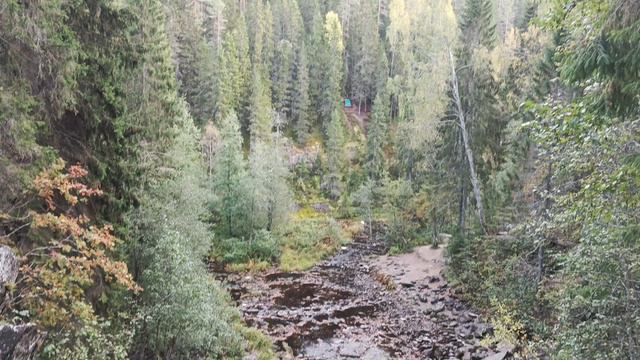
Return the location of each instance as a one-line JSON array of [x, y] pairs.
[[475, 183]]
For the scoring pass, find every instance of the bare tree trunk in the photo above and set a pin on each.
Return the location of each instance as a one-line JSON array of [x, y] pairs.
[[475, 183], [462, 209], [462, 206], [547, 206]]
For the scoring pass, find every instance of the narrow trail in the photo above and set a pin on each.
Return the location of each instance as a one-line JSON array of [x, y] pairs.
[[361, 304]]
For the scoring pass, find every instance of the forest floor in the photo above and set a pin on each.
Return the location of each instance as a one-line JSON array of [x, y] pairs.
[[362, 304]]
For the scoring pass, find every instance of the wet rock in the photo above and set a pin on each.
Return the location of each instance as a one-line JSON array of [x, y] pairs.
[[20, 342], [283, 275], [407, 284], [342, 301], [354, 310]]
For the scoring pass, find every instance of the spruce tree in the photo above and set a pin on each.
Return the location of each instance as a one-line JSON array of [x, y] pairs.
[[230, 78], [282, 76], [229, 172], [260, 117], [185, 311], [301, 101], [333, 184], [333, 69], [477, 91], [377, 137], [315, 55]]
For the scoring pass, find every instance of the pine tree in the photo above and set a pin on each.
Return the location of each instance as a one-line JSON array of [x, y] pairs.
[[366, 56], [235, 71]]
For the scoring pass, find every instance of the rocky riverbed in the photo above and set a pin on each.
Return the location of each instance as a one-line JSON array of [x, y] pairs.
[[362, 304]]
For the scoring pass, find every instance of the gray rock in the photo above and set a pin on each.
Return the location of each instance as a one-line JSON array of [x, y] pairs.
[[20, 342], [499, 356], [353, 350], [436, 308], [375, 354], [8, 268], [482, 330]]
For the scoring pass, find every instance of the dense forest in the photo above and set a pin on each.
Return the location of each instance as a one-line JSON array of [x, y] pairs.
[[145, 142]]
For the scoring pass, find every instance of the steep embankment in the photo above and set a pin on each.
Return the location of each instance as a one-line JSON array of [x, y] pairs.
[[363, 304]]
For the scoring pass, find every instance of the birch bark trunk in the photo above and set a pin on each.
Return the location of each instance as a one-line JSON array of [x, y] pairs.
[[475, 183]]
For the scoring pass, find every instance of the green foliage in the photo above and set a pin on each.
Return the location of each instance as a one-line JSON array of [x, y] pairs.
[[259, 343], [401, 225], [96, 340], [185, 313], [262, 246], [301, 102], [332, 72], [377, 137], [594, 217], [600, 48], [333, 182], [270, 198], [228, 185], [308, 241], [260, 110]]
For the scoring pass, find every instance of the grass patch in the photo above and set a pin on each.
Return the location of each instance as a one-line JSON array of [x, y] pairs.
[[258, 344], [252, 266], [310, 240]]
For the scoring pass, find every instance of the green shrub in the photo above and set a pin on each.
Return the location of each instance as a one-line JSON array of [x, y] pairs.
[[96, 340], [490, 272], [263, 246], [400, 218], [308, 241], [185, 313]]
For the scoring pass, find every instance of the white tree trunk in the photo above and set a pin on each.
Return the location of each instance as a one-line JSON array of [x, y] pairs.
[[477, 192]]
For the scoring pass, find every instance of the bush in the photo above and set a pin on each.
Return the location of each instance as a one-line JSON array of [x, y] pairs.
[[186, 314], [263, 246], [490, 272], [94, 340], [308, 241], [402, 227]]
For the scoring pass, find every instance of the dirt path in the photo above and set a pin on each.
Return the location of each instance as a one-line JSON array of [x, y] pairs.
[[361, 304]]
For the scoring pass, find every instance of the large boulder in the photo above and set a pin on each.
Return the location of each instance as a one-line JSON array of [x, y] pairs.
[[20, 342], [8, 269]]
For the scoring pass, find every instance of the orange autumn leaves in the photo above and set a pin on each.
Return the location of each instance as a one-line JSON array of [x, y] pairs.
[[70, 254], [53, 181]]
